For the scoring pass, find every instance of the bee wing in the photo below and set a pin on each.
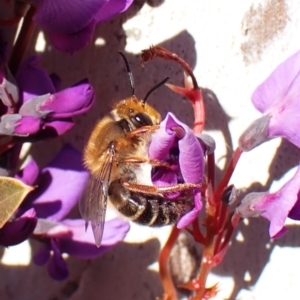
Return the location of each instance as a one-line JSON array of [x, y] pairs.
[[92, 205]]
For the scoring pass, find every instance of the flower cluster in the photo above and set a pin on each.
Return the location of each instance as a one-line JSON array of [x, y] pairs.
[[70, 24], [42, 215], [278, 99], [33, 104]]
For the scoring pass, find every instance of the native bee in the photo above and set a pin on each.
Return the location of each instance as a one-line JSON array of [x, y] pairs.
[[116, 156]]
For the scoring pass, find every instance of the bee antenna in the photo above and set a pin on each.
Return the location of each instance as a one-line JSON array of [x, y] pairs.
[[154, 88], [131, 80]]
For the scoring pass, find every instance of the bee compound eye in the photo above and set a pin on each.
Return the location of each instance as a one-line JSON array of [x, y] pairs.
[[141, 119]]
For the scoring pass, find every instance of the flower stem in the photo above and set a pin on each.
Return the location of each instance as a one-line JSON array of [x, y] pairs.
[[167, 282], [22, 41], [156, 51], [234, 160]]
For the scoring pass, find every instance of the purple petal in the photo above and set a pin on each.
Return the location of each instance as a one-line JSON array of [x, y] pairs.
[[70, 102], [55, 128], [32, 80], [112, 8], [282, 84], [191, 157], [274, 206], [29, 174], [66, 16], [278, 97], [15, 124], [60, 185], [82, 243], [57, 267], [17, 231], [285, 121], [41, 257], [74, 41], [27, 125], [162, 141], [295, 211], [189, 217]]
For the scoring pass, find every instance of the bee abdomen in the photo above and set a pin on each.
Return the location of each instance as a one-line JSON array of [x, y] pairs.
[[144, 209]]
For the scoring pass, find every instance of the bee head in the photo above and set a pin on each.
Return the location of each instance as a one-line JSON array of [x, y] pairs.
[[136, 112]]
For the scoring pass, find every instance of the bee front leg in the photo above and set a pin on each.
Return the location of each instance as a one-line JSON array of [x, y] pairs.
[[143, 130]]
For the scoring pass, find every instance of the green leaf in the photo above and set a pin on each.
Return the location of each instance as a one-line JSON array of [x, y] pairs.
[[12, 193]]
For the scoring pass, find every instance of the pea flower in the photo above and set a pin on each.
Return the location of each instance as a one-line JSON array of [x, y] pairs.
[[70, 24], [43, 111], [175, 143], [278, 99], [17, 231], [275, 207], [59, 187]]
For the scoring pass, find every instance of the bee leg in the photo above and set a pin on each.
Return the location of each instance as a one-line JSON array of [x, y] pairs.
[[124, 201], [143, 130], [154, 190], [139, 160]]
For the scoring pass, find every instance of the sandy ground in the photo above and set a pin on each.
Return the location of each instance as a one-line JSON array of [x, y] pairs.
[[232, 46]]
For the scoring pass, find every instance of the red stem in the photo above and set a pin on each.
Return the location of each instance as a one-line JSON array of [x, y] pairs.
[[234, 160], [167, 282]]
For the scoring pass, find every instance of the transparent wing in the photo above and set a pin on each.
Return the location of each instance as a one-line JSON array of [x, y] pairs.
[[92, 205]]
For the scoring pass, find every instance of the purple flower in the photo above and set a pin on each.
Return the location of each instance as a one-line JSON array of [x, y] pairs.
[[278, 98], [175, 143], [17, 231], [275, 207], [59, 187], [45, 112], [69, 236], [70, 24]]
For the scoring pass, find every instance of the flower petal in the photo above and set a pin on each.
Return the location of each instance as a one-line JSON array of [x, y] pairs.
[[42, 256], [278, 97], [17, 231], [191, 157], [74, 41], [192, 215], [82, 243], [281, 84], [69, 102], [27, 125], [162, 140], [285, 120], [29, 173], [33, 80], [55, 128], [275, 206], [66, 16], [57, 267], [112, 8], [60, 186]]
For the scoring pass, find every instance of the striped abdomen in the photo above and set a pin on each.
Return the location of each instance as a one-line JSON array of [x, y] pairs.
[[145, 209]]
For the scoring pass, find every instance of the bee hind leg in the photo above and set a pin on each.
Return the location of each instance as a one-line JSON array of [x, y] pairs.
[[152, 161], [154, 190]]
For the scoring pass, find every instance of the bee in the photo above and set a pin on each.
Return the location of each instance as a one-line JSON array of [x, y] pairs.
[[116, 156]]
